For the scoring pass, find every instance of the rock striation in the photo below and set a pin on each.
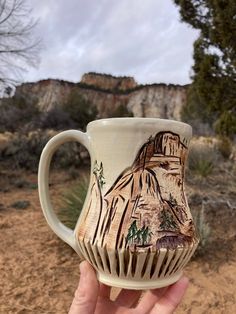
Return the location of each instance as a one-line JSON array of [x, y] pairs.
[[108, 93], [109, 82]]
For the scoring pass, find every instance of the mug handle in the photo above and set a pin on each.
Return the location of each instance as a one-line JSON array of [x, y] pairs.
[[63, 232]]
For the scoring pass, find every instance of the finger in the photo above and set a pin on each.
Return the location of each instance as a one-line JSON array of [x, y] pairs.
[[85, 298], [149, 299], [128, 298], [105, 291], [171, 299]]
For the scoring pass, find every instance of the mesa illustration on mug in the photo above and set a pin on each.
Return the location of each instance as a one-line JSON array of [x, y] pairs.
[[146, 207]]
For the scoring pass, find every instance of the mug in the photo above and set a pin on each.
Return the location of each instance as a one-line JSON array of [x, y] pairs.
[[135, 227]]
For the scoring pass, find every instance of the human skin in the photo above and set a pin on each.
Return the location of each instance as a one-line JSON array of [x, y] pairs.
[[92, 297]]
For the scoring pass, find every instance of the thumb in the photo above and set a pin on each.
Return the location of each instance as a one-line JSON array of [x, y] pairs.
[[85, 298]]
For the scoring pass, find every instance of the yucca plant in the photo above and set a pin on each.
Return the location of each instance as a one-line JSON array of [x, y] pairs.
[[203, 229], [72, 202]]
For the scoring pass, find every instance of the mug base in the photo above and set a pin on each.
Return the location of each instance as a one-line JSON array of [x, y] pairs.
[[133, 284]]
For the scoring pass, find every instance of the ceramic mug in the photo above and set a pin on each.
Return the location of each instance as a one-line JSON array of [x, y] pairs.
[[135, 227]]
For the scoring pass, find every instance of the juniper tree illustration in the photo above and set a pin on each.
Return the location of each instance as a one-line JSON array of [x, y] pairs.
[[167, 221], [138, 236], [98, 171]]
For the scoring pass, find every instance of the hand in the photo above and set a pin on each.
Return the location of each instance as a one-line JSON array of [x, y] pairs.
[[93, 298]]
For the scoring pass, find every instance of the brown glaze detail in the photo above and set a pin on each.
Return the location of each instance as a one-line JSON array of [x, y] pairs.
[[120, 226], [146, 262], [134, 263], [172, 241], [154, 263], [126, 261], [107, 259], [145, 208], [92, 213], [100, 209]]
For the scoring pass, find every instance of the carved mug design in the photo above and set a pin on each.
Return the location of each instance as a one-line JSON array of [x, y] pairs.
[[136, 228]]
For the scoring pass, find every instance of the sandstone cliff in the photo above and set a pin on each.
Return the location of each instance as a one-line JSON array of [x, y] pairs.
[[145, 208], [108, 93], [109, 82]]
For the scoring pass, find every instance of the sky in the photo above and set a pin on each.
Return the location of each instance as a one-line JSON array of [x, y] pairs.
[[142, 39]]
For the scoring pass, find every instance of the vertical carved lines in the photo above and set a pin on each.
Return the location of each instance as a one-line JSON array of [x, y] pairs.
[[147, 274], [177, 254], [170, 254], [136, 265], [160, 261], [141, 258], [103, 256], [98, 257]]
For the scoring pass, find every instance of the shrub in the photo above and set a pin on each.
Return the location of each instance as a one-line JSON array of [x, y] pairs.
[[225, 146], [56, 119], [80, 110], [201, 160], [202, 227], [20, 204], [24, 150], [121, 111], [225, 125], [17, 114], [68, 155], [72, 202]]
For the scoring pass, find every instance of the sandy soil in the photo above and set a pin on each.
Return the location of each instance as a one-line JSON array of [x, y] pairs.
[[39, 273]]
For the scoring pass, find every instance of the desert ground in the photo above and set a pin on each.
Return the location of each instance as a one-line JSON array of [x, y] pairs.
[[39, 273]]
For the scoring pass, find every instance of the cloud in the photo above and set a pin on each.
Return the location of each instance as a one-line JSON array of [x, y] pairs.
[[144, 39]]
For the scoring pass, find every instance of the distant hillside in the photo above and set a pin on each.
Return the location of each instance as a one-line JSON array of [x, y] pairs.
[[96, 96], [108, 93]]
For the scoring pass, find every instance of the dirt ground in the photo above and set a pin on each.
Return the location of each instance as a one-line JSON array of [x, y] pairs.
[[39, 273]]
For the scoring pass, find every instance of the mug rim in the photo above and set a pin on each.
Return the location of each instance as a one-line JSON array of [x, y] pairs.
[[115, 121]]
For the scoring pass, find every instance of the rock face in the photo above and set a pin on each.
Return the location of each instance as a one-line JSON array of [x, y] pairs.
[[109, 82], [159, 100], [108, 93], [46, 93], [145, 208]]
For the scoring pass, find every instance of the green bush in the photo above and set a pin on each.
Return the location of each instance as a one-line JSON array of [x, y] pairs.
[[225, 125], [56, 119], [68, 155], [17, 114], [201, 160], [24, 150], [121, 111], [225, 146], [80, 110], [72, 202]]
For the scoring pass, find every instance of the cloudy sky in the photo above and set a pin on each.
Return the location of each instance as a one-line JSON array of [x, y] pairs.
[[143, 39]]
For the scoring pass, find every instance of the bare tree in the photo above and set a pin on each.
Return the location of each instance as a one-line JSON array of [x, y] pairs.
[[19, 48]]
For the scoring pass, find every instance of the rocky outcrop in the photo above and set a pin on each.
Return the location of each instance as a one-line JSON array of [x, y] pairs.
[[109, 82], [158, 100], [46, 93], [108, 93], [145, 208]]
